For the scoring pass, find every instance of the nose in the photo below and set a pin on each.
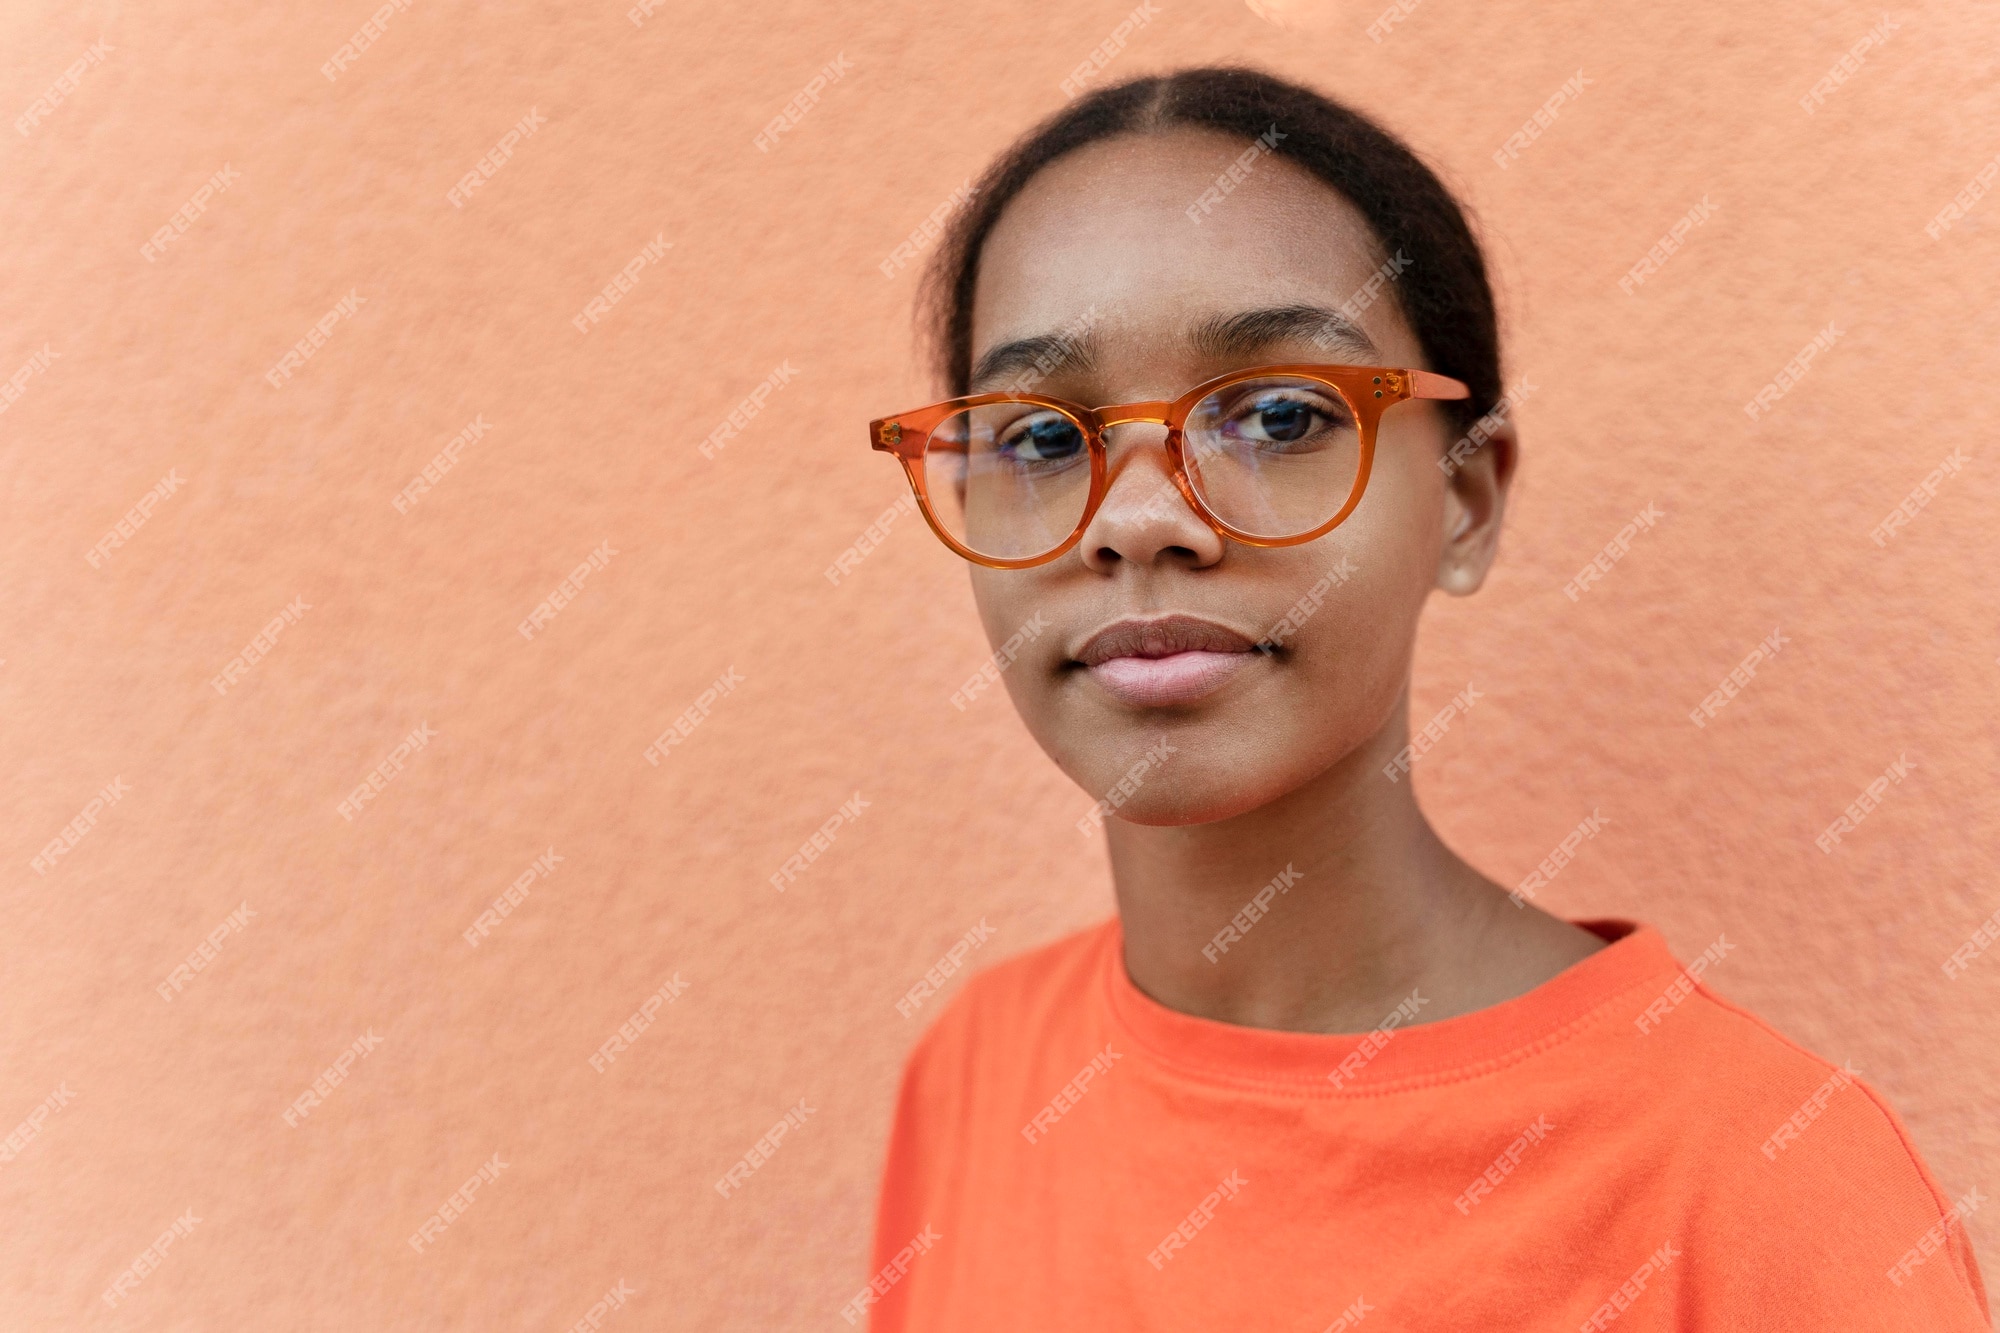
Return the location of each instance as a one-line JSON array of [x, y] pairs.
[[1146, 519]]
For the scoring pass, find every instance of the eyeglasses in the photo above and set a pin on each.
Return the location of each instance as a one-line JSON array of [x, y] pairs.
[[1268, 456]]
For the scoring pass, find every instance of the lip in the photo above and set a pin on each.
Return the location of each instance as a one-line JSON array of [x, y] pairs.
[[1159, 661]]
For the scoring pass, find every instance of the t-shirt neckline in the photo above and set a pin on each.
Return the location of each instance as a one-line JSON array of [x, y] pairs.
[[1402, 1054]]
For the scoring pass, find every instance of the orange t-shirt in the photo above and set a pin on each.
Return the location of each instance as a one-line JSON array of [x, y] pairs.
[[1617, 1148]]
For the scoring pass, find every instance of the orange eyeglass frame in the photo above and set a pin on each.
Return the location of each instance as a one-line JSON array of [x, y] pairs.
[[1369, 390]]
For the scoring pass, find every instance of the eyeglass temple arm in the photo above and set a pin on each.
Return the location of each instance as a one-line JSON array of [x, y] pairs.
[[1428, 384]]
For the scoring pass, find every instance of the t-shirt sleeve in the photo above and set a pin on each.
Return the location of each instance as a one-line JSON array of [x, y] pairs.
[[928, 1101], [1830, 1219]]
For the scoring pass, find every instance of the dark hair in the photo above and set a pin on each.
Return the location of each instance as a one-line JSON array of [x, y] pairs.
[[1443, 293]]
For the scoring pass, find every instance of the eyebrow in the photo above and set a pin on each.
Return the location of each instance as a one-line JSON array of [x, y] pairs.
[[1044, 354], [1218, 337], [1251, 331]]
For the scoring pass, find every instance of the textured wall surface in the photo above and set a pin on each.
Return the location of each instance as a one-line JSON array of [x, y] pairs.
[[151, 359]]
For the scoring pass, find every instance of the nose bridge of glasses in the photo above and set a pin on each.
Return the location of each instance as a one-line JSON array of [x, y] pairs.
[[1121, 414]]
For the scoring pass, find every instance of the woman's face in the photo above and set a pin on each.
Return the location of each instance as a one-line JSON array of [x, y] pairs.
[[1146, 626]]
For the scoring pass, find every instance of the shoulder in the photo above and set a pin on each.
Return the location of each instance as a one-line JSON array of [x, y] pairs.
[[1771, 1139], [1701, 1060], [1784, 1099]]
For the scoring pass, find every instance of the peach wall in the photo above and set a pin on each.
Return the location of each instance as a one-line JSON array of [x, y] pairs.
[[176, 1106]]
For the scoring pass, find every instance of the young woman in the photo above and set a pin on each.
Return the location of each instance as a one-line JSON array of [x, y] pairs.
[[1226, 366]]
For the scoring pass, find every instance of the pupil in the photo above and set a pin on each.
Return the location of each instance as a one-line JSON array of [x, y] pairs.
[[1284, 420], [1052, 439]]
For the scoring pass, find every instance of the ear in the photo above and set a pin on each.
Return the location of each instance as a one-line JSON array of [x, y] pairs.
[[1475, 502]]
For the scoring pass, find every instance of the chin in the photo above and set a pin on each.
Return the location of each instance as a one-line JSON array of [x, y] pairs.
[[1202, 799], [1173, 772]]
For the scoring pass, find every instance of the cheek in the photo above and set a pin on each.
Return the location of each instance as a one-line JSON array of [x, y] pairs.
[[1349, 661], [1006, 598], [1353, 656], [1404, 503], [1346, 609], [1021, 611]]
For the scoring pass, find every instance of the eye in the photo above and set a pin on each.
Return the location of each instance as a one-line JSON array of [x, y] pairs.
[[1042, 437], [1288, 416]]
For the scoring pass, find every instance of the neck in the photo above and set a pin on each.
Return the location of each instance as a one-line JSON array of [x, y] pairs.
[[1357, 903]]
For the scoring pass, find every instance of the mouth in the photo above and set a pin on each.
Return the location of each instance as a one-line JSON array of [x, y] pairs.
[[1166, 660]]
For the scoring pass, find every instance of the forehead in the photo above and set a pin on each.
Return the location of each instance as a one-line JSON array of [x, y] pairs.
[[1145, 236]]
